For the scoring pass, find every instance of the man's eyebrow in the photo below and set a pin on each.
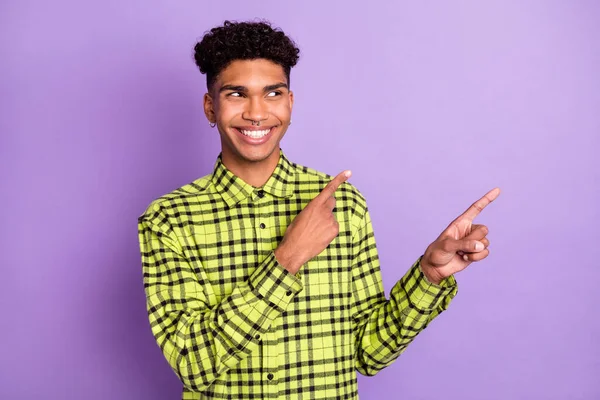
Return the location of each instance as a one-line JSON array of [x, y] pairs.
[[234, 88], [268, 88], [275, 86]]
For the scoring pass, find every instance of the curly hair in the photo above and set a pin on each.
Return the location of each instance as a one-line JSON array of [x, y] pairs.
[[243, 41]]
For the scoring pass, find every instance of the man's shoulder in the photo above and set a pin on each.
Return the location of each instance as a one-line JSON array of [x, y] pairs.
[[191, 193]]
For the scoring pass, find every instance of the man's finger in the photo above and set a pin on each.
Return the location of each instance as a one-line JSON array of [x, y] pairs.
[[464, 246], [476, 256], [332, 186], [486, 242], [479, 205], [478, 232], [330, 203]]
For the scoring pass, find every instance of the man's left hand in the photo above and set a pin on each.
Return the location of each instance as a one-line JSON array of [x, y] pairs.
[[461, 243]]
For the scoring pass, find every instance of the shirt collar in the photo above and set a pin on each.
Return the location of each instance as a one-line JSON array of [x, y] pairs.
[[234, 189]]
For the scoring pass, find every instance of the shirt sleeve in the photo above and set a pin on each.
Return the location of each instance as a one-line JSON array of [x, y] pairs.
[[384, 328], [199, 340]]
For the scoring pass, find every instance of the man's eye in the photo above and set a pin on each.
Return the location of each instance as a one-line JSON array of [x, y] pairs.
[[274, 93], [235, 94]]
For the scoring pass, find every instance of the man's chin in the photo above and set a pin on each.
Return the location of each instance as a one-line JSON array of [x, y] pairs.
[[258, 155]]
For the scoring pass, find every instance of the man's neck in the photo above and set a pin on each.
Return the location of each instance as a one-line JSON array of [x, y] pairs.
[[255, 173]]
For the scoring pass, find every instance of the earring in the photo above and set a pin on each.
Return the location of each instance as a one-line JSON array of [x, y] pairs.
[[290, 121], [212, 124]]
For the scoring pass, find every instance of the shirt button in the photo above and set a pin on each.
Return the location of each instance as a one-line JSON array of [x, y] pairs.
[[262, 226], [289, 293], [257, 337], [261, 193], [270, 376]]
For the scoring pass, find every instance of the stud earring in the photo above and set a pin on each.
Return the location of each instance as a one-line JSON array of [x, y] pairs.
[[212, 124], [290, 122]]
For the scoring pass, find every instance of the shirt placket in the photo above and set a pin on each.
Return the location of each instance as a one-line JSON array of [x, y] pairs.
[[264, 230]]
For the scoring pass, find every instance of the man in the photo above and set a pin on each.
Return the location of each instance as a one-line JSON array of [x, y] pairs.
[[262, 278]]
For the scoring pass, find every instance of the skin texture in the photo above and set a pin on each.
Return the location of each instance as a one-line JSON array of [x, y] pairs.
[[257, 90]]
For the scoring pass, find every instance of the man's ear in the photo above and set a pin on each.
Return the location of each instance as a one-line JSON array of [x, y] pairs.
[[291, 98], [209, 108]]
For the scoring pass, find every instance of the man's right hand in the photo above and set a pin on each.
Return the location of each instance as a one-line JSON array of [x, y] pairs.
[[312, 230]]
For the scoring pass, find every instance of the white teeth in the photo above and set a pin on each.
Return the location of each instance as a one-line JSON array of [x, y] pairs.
[[256, 134]]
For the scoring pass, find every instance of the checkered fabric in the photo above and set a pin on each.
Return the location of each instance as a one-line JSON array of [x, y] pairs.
[[234, 324]]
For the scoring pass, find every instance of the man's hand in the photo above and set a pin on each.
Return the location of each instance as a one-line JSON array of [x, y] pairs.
[[460, 244], [312, 230]]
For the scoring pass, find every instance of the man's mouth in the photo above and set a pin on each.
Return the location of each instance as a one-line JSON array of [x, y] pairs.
[[255, 133]]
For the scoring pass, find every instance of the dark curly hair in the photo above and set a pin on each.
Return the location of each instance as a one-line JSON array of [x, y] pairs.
[[243, 41]]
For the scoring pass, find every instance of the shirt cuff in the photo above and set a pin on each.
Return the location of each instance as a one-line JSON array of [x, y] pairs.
[[427, 296], [274, 284]]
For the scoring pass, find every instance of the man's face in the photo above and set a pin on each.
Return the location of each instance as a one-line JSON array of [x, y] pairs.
[[247, 91]]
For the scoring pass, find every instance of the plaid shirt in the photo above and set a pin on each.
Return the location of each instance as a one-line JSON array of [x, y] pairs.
[[234, 324]]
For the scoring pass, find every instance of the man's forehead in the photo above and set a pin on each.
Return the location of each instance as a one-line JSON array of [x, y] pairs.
[[258, 72]]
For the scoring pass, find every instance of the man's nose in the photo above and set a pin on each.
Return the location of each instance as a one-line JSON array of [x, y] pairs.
[[257, 110]]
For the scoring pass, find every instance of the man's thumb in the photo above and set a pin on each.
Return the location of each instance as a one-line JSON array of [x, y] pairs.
[[468, 245]]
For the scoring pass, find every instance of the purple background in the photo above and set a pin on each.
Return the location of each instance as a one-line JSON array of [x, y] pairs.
[[430, 104]]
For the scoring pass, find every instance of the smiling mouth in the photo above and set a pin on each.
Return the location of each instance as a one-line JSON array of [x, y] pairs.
[[255, 133]]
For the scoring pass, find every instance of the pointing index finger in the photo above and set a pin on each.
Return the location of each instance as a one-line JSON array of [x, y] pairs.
[[480, 204], [332, 186]]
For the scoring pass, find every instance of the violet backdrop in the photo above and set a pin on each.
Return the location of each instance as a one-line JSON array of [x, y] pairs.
[[430, 104]]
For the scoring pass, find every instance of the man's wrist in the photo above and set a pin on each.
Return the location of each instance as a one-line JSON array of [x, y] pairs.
[[430, 274], [286, 260]]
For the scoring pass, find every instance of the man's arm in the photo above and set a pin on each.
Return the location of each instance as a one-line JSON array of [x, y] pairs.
[[384, 328], [199, 340]]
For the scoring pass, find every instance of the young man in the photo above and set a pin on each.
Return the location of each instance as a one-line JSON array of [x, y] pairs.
[[263, 278]]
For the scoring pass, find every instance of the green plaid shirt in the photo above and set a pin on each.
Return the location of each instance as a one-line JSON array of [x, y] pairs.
[[234, 324]]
